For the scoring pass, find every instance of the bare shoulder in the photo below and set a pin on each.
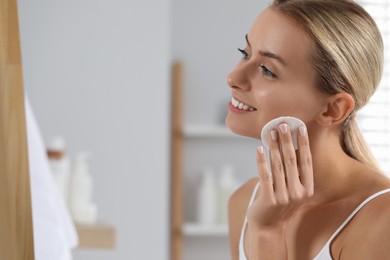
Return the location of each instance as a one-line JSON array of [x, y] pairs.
[[237, 207], [368, 237]]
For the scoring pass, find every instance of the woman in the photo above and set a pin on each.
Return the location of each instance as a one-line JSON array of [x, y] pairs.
[[319, 61]]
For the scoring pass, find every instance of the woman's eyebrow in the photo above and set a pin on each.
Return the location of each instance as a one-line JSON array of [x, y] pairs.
[[247, 41], [272, 56], [267, 53]]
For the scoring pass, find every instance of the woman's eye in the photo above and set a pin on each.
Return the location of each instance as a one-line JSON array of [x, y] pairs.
[[245, 55], [267, 72]]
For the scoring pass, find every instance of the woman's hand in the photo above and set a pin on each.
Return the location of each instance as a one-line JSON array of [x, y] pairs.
[[284, 192]]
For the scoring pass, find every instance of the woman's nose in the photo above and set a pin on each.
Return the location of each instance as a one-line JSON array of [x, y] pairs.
[[238, 78]]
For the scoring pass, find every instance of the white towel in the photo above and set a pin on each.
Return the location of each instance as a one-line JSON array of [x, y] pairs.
[[54, 231]]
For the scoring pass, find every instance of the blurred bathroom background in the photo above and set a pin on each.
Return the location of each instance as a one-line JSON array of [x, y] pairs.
[[98, 73]]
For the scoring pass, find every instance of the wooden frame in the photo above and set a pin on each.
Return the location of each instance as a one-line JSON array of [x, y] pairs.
[[176, 155], [98, 236], [16, 230]]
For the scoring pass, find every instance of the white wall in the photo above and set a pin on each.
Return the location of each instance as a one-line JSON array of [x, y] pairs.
[[98, 72], [206, 35]]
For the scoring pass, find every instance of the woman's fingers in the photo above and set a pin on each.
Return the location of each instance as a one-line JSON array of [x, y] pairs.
[[277, 168], [305, 161], [291, 178], [289, 161], [265, 177], [283, 191]]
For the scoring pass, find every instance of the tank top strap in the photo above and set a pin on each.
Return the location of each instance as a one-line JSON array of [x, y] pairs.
[[254, 194], [241, 249], [325, 251], [356, 211]]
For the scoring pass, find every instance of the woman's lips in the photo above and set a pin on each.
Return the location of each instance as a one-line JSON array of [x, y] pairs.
[[238, 110], [238, 106]]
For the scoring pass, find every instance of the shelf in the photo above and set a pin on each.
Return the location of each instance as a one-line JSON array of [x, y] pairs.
[[204, 131], [100, 236], [195, 229]]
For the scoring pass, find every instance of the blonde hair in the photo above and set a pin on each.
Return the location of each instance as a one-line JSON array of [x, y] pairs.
[[349, 57]]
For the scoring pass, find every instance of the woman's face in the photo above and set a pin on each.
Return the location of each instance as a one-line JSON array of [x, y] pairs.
[[275, 77]]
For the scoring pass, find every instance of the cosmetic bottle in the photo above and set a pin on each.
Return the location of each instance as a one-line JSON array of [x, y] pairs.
[[59, 165], [227, 184], [83, 210], [207, 198]]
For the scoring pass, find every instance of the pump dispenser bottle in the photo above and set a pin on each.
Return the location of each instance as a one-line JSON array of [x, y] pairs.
[[227, 184], [81, 206], [60, 165], [207, 198]]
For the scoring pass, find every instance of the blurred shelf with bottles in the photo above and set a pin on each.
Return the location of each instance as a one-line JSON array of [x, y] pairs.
[[208, 164], [75, 186]]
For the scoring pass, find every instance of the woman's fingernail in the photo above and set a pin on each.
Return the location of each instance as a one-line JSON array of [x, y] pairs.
[[274, 135], [283, 128], [260, 149], [302, 130]]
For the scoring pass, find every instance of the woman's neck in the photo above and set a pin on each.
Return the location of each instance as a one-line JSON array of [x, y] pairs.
[[334, 171]]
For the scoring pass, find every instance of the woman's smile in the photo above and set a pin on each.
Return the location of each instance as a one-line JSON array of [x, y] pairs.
[[239, 106]]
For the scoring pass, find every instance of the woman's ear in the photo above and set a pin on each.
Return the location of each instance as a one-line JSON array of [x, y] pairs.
[[338, 108]]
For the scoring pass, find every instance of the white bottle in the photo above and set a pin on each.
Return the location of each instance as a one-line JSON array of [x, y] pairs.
[[227, 184], [81, 206], [60, 165], [207, 198]]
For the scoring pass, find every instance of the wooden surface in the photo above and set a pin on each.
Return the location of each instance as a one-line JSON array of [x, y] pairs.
[[16, 231], [99, 236], [199, 230], [176, 163]]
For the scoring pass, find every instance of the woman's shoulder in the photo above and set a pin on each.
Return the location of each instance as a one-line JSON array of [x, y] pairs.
[[367, 234], [369, 237], [239, 200], [238, 204], [376, 194], [378, 198]]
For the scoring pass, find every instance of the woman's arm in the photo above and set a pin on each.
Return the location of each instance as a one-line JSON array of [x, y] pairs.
[[281, 193]]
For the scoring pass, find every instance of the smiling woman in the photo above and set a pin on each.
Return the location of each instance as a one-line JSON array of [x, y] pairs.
[[274, 63], [319, 61]]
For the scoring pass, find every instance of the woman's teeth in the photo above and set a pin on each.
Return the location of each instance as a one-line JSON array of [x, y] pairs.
[[241, 106]]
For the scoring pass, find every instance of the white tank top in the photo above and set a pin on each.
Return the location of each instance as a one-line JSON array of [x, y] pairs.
[[325, 253]]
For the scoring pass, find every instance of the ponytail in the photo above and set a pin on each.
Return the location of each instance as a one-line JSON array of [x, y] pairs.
[[349, 58], [354, 145]]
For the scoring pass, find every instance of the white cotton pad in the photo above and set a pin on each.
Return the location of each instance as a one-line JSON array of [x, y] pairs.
[[293, 123]]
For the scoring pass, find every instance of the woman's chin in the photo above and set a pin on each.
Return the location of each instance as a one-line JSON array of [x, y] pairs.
[[241, 129]]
